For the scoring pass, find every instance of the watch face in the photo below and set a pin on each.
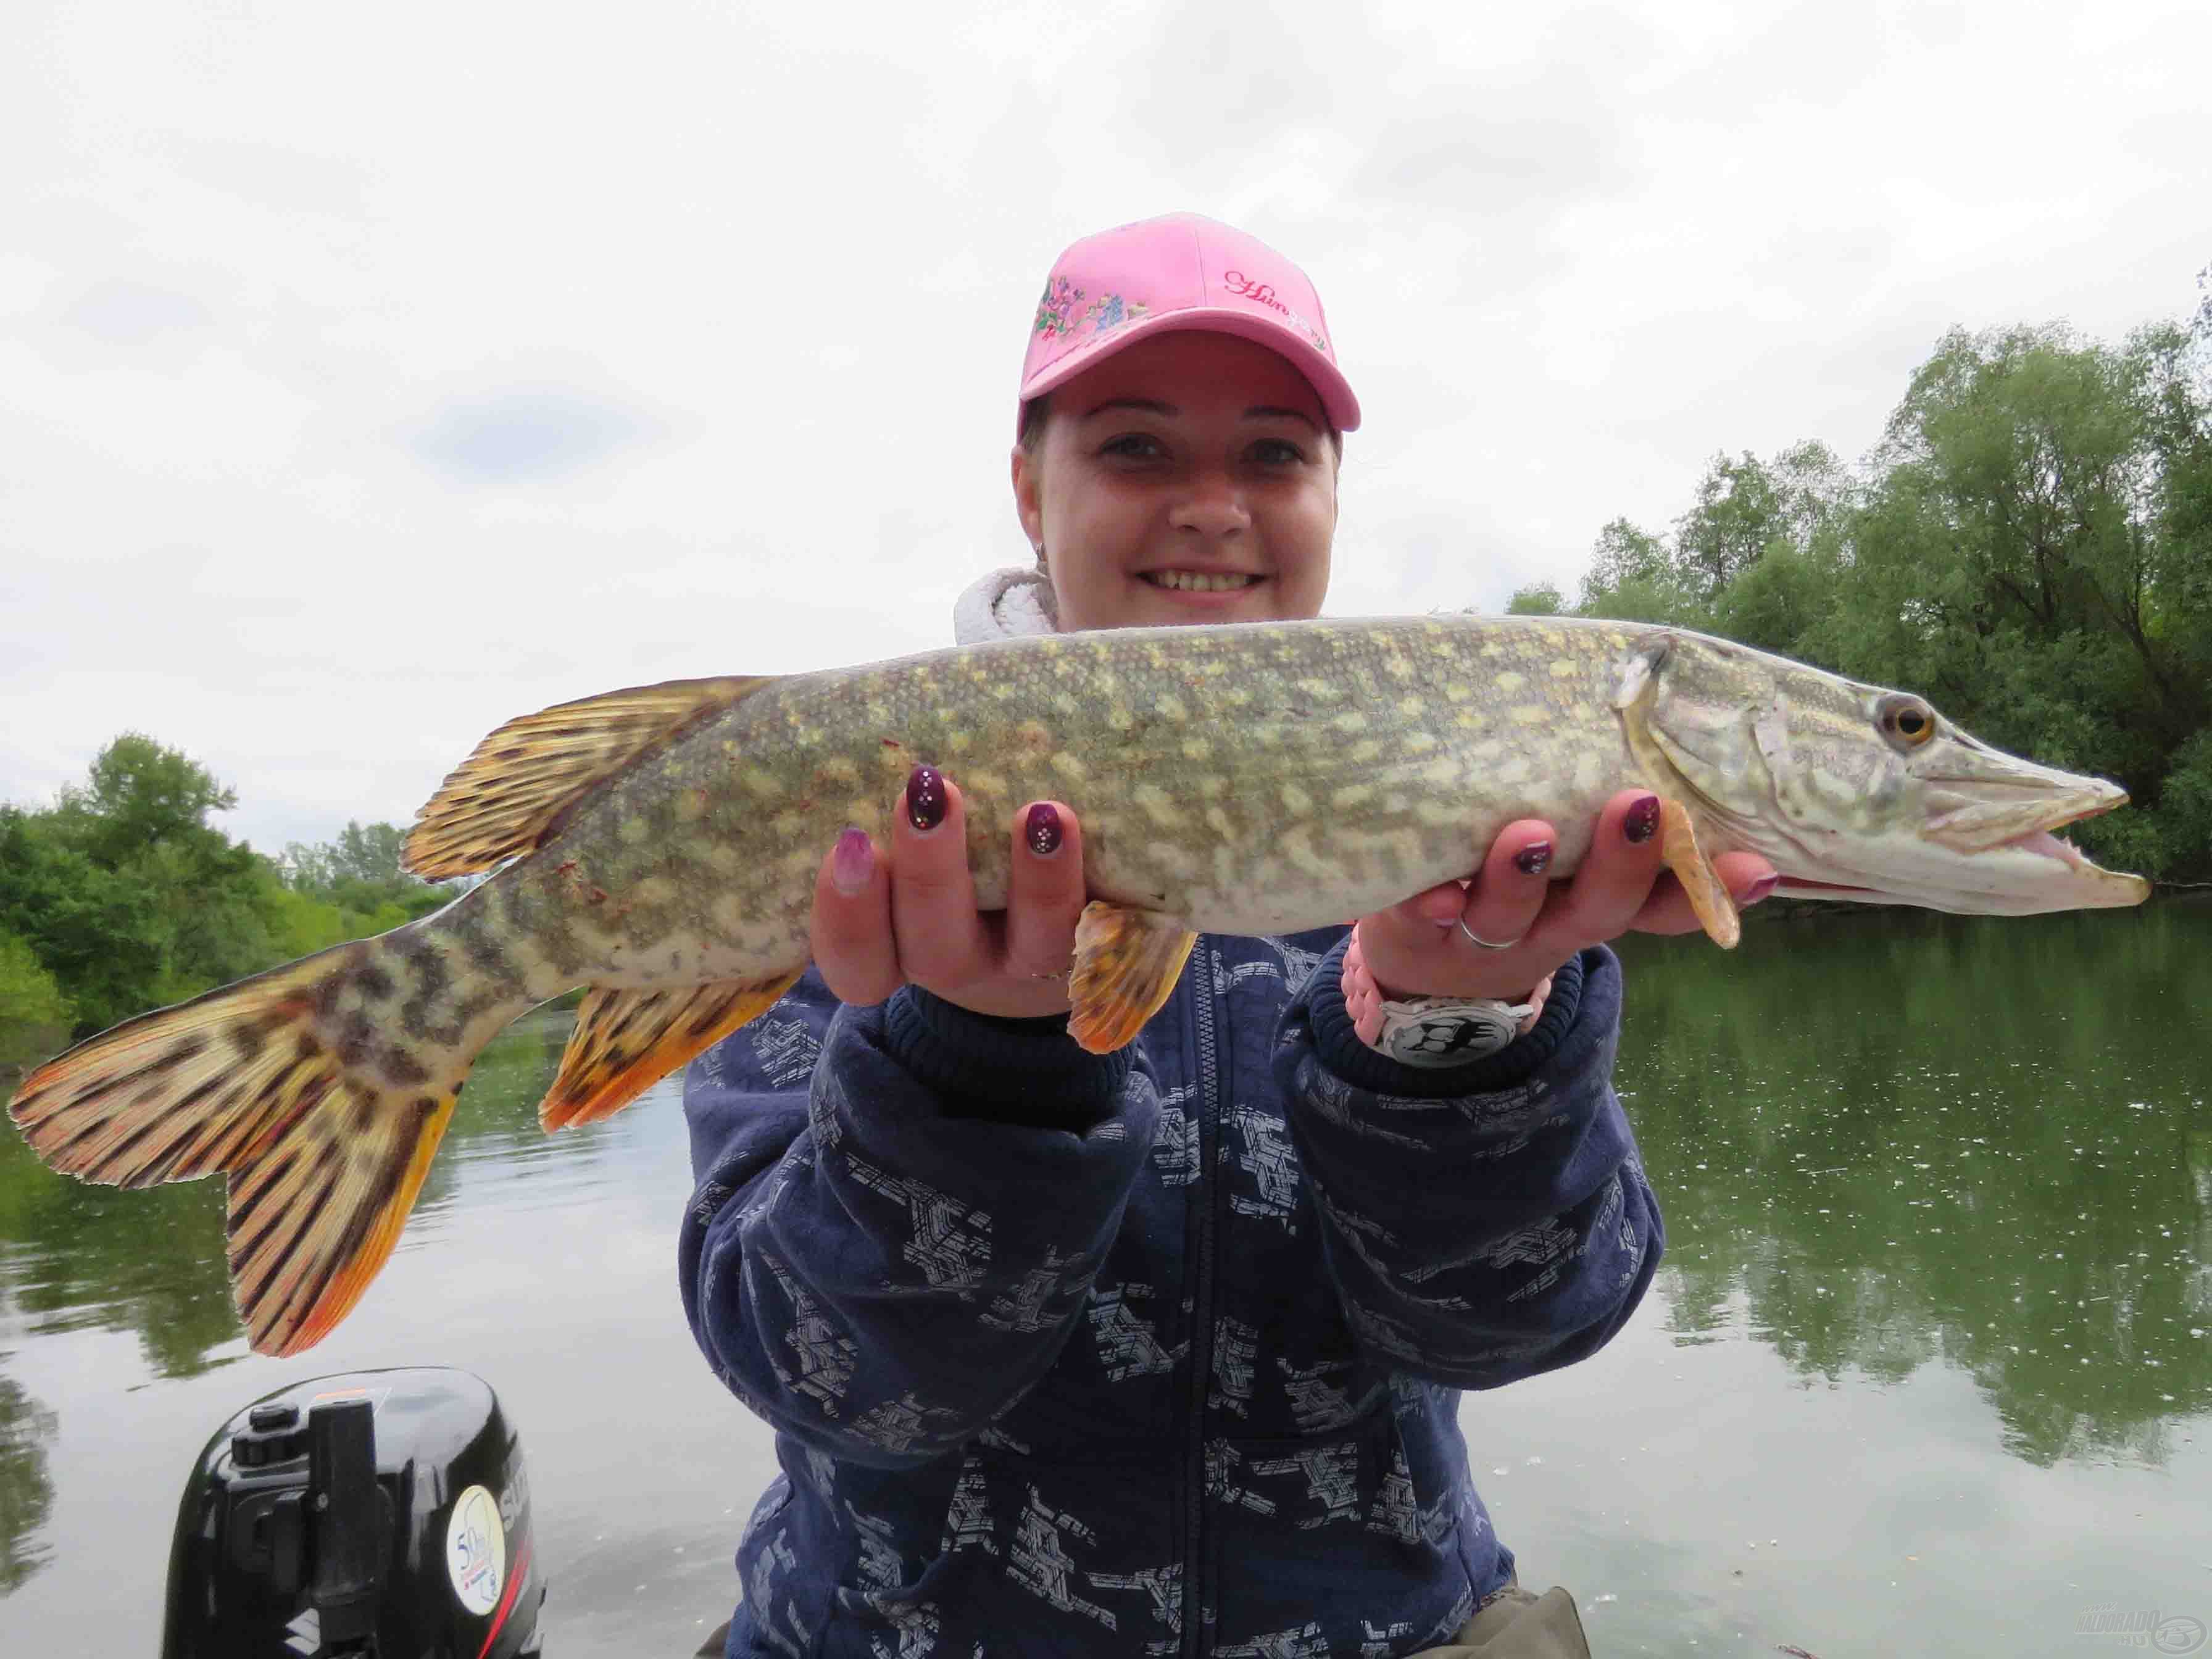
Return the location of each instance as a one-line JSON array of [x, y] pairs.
[[1449, 1036]]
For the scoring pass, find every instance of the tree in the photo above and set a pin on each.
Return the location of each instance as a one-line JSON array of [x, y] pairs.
[[368, 853], [2035, 544], [138, 794], [360, 873], [1632, 578], [96, 933], [34, 1011], [1748, 508], [1536, 599]]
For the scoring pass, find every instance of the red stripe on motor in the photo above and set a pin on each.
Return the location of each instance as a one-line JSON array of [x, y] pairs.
[[507, 1601]]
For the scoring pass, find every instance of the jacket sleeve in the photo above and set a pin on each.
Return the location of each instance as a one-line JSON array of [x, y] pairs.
[[899, 1212], [1482, 1223]]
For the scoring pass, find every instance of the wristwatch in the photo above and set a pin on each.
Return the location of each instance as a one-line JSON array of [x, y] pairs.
[[1433, 1032]]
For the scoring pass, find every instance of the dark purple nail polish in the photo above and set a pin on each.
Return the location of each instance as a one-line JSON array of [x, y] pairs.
[[852, 861], [926, 798], [1042, 830], [1534, 858], [1642, 821], [1761, 888]]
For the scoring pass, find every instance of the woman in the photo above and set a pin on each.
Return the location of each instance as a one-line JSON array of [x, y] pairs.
[[1161, 1351]]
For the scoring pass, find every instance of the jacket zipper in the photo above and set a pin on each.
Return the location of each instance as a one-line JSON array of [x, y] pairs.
[[1201, 1339]]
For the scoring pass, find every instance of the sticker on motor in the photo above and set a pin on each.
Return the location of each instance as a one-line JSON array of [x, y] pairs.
[[475, 1551]]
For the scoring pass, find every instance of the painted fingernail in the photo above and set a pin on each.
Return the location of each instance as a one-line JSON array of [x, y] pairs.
[[1642, 821], [1762, 887], [851, 862], [925, 797], [1042, 830], [1534, 858]]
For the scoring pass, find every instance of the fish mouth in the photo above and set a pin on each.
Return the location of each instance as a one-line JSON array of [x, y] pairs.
[[2077, 882]]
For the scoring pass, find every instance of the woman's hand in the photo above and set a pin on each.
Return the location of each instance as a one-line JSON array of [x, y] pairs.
[[1416, 948], [910, 918]]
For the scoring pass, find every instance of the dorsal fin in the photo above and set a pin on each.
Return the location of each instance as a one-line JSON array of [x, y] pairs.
[[502, 799]]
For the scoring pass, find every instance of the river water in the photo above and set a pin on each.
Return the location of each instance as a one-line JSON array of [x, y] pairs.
[[1928, 1368]]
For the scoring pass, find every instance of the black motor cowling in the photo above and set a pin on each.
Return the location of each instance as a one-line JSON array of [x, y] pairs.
[[382, 1513]]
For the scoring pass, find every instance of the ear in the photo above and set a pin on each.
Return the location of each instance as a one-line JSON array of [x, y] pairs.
[[1028, 496]]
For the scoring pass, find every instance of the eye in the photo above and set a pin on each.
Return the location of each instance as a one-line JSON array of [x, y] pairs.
[[1277, 452], [1905, 720], [1132, 445]]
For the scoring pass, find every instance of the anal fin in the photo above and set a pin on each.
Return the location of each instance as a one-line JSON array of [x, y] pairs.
[[625, 1042], [1709, 896], [1127, 963]]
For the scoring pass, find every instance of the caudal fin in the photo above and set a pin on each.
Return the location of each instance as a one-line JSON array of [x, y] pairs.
[[324, 1151]]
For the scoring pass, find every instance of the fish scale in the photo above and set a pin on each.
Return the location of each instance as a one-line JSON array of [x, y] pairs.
[[659, 845]]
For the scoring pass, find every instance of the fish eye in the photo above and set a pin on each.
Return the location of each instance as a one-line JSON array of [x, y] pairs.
[[1906, 721]]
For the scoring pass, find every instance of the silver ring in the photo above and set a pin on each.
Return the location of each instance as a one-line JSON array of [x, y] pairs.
[[1473, 940]]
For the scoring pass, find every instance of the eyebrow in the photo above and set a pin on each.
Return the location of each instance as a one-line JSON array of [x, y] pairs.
[[1153, 406]]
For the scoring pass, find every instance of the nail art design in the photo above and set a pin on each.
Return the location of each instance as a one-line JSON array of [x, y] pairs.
[[1642, 820], [1534, 858], [852, 861], [1042, 830], [925, 799]]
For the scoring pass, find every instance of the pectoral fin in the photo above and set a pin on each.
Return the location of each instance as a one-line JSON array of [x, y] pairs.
[[1127, 963], [1709, 895]]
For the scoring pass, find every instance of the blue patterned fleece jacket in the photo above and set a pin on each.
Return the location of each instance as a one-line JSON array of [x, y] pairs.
[[1153, 1352]]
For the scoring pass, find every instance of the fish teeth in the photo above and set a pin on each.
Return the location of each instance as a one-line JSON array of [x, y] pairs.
[[1194, 581]]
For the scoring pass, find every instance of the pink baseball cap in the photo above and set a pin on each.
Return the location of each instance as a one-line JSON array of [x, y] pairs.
[[1182, 271]]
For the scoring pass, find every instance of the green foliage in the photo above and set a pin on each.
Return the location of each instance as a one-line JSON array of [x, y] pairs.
[[361, 873], [139, 795], [2030, 546], [123, 896], [34, 1015], [95, 932], [1632, 579], [1537, 600]]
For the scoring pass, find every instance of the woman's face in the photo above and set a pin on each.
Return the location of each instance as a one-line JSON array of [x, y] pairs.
[[1187, 478]]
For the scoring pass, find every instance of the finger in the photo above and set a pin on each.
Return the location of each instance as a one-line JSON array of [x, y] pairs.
[[1363, 1001], [1614, 879], [942, 942], [1502, 904], [1746, 876], [1537, 999], [1046, 892], [1438, 906], [851, 926]]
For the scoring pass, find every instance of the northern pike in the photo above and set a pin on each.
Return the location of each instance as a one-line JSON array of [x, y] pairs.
[[659, 845]]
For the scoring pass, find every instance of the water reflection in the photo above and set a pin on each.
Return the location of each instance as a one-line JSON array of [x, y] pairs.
[[1885, 1142], [26, 1494]]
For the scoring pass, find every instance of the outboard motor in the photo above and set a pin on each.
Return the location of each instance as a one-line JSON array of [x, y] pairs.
[[374, 1513]]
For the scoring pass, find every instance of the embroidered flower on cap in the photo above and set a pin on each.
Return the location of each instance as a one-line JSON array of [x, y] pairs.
[[1057, 315]]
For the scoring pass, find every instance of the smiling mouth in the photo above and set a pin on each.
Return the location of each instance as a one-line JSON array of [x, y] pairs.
[[1200, 581]]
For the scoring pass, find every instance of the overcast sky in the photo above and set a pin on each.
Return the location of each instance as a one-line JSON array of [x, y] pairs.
[[372, 375]]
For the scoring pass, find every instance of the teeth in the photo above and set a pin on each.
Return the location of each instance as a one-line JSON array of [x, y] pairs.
[[1192, 581]]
